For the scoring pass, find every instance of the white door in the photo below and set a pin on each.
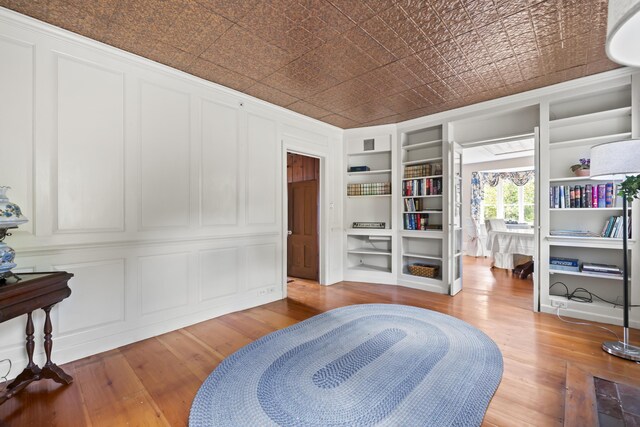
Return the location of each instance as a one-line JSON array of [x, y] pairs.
[[455, 218]]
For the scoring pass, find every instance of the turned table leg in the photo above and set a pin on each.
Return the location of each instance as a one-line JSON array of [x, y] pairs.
[[50, 369], [32, 371]]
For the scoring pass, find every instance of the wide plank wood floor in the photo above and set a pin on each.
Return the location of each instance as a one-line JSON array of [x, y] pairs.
[[153, 382]]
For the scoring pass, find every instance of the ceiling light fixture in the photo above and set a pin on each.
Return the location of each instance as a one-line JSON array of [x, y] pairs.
[[623, 32]]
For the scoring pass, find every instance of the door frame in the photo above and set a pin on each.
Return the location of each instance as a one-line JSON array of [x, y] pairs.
[[294, 145]]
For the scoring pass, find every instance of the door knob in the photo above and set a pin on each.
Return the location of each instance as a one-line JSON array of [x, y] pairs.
[[289, 233]]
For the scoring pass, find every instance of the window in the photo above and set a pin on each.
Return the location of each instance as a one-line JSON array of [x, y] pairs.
[[508, 201]]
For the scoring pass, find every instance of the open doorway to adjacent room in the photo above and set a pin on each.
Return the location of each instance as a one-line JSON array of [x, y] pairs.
[[499, 209], [303, 190]]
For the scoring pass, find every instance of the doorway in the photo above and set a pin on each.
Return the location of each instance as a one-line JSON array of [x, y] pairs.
[[303, 185], [499, 213]]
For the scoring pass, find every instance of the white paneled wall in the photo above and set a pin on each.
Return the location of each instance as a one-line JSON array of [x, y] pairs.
[[162, 193]]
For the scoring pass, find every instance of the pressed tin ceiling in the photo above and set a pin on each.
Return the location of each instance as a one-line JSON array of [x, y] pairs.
[[347, 62]]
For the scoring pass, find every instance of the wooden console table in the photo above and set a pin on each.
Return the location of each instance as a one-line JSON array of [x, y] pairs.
[[18, 297]]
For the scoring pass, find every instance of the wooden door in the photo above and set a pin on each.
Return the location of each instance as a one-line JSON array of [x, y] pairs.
[[302, 243]]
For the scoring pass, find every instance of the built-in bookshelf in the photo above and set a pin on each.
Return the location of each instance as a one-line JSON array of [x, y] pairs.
[[582, 217], [422, 208], [368, 192]]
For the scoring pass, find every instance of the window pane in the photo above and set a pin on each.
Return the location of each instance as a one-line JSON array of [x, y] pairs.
[[509, 193], [529, 193], [490, 212], [490, 194], [529, 214], [511, 213]]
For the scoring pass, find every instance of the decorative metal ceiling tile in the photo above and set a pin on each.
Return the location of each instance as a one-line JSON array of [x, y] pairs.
[[352, 63]]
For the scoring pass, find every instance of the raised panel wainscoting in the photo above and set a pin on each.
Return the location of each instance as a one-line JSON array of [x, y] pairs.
[[162, 193]]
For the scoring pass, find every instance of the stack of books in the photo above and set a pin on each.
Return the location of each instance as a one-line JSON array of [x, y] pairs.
[[583, 196], [594, 268], [422, 187], [613, 228], [425, 169], [417, 221], [369, 189], [564, 264]]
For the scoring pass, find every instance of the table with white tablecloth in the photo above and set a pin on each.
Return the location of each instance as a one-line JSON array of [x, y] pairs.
[[504, 246]]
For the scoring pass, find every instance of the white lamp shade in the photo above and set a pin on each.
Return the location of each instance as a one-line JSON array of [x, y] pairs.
[[615, 160], [623, 32]]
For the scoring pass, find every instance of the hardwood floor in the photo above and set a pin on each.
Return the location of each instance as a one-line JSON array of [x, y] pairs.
[[154, 381]]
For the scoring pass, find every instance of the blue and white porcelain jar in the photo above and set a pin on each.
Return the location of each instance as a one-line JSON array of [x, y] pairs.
[[10, 217]]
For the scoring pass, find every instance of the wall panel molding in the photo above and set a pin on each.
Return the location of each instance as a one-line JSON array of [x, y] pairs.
[[17, 142], [163, 282], [220, 147], [262, 171], [220, 271], [165, 141], [89, 195], [97, 281]]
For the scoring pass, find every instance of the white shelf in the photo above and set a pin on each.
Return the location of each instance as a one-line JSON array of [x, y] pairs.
[[370, 268], [369, 195], [582, 274], [367, 251], [425, 234], [421, 197], [571, 179], [422, 177], [411, 277], [374, 172], [369, 231], [590, 239], [591, 117], [591, 141], [421, 145], [427, 212], [421, 256], [418, 162], [366, 153]]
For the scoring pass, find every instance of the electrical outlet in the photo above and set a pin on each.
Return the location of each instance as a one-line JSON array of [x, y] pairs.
[[266, 291], [558, 303]]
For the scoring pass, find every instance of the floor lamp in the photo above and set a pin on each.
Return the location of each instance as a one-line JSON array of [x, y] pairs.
[[616, 161]]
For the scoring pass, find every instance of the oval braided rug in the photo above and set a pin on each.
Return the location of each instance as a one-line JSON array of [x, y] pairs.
[[361, 365]]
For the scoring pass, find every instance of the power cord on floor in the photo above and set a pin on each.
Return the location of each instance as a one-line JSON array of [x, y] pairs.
[[586, 324]]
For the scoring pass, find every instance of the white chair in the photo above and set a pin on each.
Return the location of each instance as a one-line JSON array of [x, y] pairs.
[[496, 224], [476, 244]]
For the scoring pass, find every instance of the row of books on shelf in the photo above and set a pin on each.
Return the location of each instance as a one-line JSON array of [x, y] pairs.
[[369, 189], [583, 196], [416, 205], [422, 187], [613, 228], [573, 264], [424, 169], [419, 221]]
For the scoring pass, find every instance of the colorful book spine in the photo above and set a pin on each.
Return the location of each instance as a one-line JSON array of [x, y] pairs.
[[594, 197], [609, 195], [601, 195]]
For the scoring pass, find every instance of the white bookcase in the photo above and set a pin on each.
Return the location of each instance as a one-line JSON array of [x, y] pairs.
[[369, 199], [575, 124], [423, 209]]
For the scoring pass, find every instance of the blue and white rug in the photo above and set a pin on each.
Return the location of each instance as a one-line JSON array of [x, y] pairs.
[[362, 365]]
